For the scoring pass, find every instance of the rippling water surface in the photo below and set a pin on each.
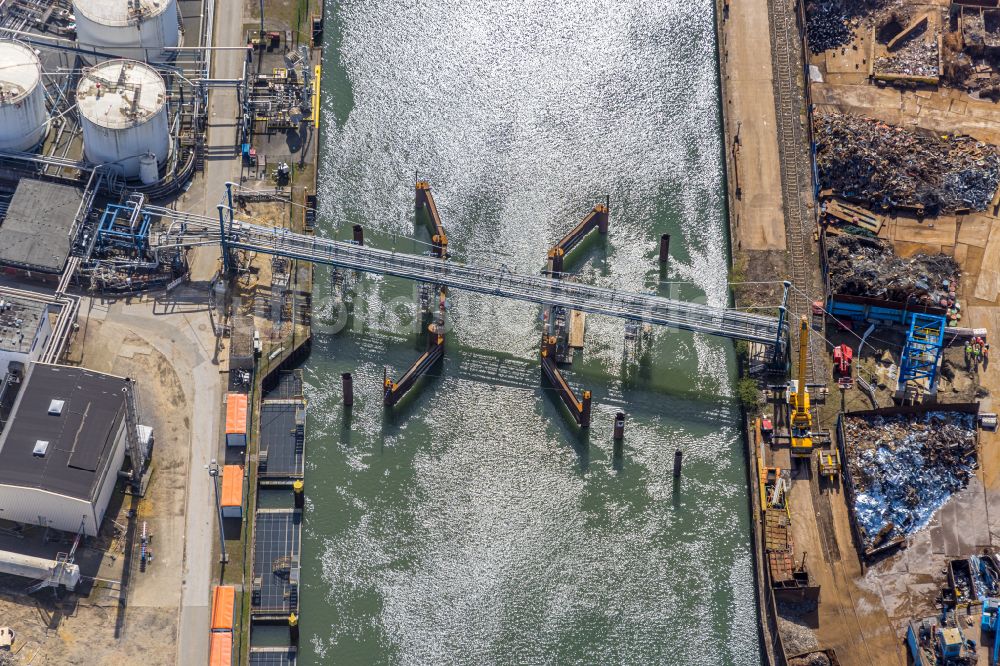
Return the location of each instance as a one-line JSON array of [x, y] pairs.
[[474, 524]]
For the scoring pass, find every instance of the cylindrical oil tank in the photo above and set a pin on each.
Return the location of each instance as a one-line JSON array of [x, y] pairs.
[[22, 97], [123, 112], [140, 29]]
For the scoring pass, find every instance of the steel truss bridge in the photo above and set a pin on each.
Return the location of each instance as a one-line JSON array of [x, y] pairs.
[[232, 234]]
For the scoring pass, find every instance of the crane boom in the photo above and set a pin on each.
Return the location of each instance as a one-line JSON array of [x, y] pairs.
[[798, 399], [803, 360]]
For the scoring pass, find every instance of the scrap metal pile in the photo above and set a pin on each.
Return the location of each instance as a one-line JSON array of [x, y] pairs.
[[889, 167], [970, 54], [980, 28], [917, 58], [868, 267], [904, 468], [811, 659], [827, 26], [829, 23]]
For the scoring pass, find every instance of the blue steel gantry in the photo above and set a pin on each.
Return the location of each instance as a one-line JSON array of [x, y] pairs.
[[922, 351]]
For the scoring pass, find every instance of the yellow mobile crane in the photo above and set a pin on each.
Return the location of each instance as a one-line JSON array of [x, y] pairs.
[[800, 418]]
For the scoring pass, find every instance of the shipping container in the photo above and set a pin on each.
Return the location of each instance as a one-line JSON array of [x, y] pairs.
[[221, 649], [236, 419], [232, 491], [223, 607]]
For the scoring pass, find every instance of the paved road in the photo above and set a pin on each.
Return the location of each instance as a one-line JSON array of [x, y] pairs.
[[752, 117], [199, 565], [222, 159], [221, 164]]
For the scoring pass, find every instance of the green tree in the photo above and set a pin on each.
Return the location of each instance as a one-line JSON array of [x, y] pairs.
[[748, 394]]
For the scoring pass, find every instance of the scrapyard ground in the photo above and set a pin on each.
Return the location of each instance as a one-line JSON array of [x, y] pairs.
[[863, 610]]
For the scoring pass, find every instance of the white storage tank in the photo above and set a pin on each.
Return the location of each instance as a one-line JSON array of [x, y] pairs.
[[123, 111], [22, 97], [139, 29]]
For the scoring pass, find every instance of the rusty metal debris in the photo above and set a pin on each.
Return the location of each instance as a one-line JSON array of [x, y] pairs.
[[889, 167], [819, 658], [969, 54], [904, 468], [868, 267], [917, 58]]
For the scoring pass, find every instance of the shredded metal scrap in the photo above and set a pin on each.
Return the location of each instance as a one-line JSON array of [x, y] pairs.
[[980, 28], [904, 468], [868, 267], [827, 25], [917, 58], [888, 166], [812, 659]]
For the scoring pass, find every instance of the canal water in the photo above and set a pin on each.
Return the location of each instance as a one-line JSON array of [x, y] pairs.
[[474, 523]]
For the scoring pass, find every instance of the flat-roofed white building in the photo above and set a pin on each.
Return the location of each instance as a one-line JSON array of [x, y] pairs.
[[62, 448]]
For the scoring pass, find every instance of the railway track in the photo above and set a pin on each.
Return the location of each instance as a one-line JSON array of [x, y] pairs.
[[796, 189], [796, 178]]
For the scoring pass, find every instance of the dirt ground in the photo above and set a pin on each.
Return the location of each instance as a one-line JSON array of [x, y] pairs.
[[84, 633], [879, 360]]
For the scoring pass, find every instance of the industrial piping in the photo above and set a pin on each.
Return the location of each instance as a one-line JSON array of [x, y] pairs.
[[52, 572]]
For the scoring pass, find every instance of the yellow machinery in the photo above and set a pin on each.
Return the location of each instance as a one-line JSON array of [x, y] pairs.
[[829, 464], [800, 418]]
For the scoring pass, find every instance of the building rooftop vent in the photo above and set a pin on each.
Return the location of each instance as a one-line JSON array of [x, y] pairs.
[[56, 407], [41, 446]]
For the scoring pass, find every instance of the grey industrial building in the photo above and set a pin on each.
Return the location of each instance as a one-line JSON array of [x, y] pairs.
[[62, 448], [25, 329], [36, 234]]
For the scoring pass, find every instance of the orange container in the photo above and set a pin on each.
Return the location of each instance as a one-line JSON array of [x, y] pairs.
[[232, 491], [223, 608], [236, 419], [220, 652]]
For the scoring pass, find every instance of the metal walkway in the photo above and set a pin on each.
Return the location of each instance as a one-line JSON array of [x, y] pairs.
[[685, 316]]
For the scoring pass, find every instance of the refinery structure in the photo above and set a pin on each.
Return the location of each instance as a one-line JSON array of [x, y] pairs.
[[23, 114], [80, 95], [111, 166], [104, 102], [98, 107], [123, 115]]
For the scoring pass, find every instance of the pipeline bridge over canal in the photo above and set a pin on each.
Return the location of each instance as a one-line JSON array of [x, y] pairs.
[[232, 234]]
